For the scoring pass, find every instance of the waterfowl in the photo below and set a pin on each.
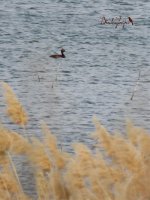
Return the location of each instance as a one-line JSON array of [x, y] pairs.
[[59, 55], [130, 20]]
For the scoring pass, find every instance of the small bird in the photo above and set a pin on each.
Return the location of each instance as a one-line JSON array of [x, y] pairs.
[[58, 55], [130, 20]]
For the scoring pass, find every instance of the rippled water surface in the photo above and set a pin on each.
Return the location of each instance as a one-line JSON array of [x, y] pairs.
[[98, 75], [100, 70]]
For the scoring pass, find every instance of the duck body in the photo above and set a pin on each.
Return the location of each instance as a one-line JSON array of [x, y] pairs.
[[58, 55]]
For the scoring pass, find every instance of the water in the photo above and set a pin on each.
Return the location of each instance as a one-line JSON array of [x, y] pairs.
[[98, 75], [100, 70]]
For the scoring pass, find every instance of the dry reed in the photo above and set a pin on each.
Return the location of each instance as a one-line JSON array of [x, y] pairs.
[[14, 108], [118, 168]]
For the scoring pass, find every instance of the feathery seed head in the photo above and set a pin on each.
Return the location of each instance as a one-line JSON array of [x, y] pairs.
[[14, 108]]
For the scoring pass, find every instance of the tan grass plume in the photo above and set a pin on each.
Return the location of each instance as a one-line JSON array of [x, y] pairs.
[[14, 108]]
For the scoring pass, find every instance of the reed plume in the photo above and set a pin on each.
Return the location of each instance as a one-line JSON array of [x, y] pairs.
[[58, 185], [42, 185], [38, 156], [58, 157], [9, 188], [14, 108], [19, 145], [5, 140], [119, 149]]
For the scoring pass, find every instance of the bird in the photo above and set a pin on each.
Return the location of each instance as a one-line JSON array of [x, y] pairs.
[[59, 55], [130, 20]]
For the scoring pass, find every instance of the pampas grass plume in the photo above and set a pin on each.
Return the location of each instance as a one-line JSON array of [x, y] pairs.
[[38, 156], [14, 108], [19, 145], [59, 158], [5, 140]]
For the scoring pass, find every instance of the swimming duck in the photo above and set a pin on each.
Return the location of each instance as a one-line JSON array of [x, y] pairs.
[[59, 55]]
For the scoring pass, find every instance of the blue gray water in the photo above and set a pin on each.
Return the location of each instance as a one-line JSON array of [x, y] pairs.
[[100, 70], [98, 75]]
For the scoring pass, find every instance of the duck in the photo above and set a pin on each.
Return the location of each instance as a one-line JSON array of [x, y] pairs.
[[59, 55]]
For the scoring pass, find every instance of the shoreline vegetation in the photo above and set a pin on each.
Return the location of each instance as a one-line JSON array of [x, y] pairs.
[[116, 169]]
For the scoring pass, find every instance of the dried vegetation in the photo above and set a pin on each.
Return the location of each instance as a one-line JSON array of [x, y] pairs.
[[117, 169]]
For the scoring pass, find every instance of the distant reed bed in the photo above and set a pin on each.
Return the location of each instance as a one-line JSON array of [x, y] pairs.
[[118, 168]]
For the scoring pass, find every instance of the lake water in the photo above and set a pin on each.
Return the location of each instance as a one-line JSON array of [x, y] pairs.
[[98, 75]]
